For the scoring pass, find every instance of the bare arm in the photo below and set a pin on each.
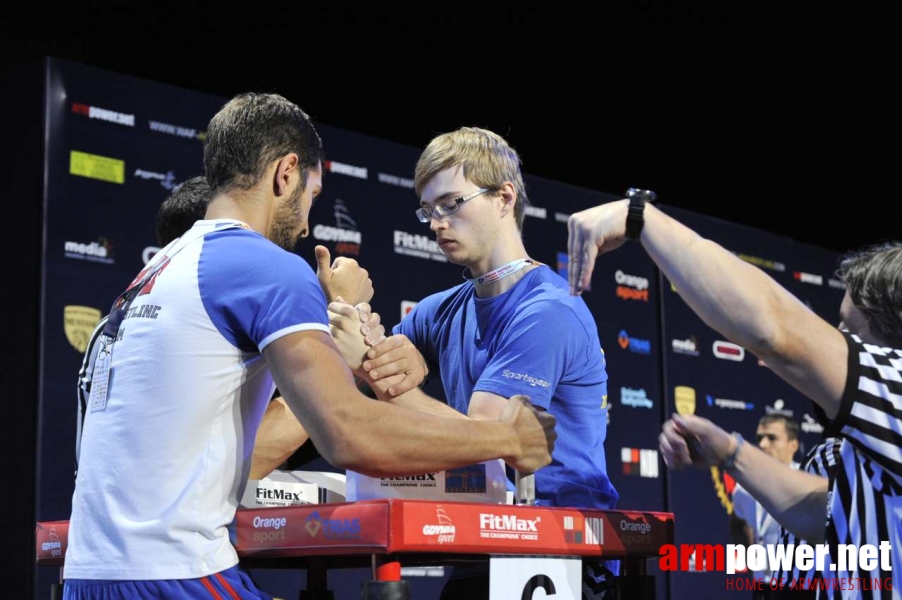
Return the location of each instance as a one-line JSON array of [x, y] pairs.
[[352, 431], [486, 406], [417, 399], [795, 499], [279, 435], [731, 296]]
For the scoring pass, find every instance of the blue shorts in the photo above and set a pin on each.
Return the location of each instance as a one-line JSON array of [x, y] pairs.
[[231, 584]]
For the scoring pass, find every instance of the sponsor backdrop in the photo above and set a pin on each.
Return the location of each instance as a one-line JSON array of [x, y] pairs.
[[117, 145]]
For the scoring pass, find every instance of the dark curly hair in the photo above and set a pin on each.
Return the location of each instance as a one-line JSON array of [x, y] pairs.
[[873, 278]]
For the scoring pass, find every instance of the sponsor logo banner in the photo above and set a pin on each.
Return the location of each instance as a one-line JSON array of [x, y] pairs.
[[642, 462], [345, 169], [684, 398], [728, 351], [94, 166], [78, 323], [536, 211], [688, 346], [103, 114], [808, 278], [419, 246], [634, 344], [345, 235], [729, 404], [636, 398], [394, 180], [189, 133], [100, 251], [167, 179]]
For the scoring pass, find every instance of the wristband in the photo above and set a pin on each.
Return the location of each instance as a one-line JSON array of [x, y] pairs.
[[729, 462]]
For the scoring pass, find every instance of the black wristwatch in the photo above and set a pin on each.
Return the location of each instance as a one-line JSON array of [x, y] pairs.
[[635, 217]]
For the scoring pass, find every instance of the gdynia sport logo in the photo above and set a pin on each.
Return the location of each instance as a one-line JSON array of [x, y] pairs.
[[777, 559]]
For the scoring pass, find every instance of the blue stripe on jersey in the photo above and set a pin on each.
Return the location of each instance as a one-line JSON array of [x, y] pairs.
[[254, 292]]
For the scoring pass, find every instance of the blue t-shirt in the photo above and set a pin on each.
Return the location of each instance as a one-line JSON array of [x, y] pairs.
[[534, 339]]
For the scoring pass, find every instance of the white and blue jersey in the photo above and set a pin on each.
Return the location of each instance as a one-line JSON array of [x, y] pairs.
[[163, 463], [534, 339]]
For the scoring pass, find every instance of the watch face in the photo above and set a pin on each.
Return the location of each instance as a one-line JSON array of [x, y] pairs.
[[649, 195]]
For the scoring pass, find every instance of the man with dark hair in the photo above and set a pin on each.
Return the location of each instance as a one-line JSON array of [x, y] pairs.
[[778, 437], [853, 374], [186, 204], [197, 344]]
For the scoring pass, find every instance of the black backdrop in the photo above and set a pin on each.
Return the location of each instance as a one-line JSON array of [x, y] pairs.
[[115, 145]]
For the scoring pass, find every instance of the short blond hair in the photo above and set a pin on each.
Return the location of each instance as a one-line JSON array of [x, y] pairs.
[[485, 157]]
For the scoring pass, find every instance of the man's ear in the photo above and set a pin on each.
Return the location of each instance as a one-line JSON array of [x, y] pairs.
[[508, 195], [286, 168]]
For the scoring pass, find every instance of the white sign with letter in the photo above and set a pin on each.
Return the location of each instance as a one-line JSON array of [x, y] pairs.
[[535, 578]]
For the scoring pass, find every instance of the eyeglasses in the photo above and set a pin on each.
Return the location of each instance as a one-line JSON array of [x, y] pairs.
[[446, 207]]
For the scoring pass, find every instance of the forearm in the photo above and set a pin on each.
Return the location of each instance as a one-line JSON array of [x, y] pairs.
[[279, 436], [427, 442], [375, 438], [731, 296], [417, 399], [795, 499]]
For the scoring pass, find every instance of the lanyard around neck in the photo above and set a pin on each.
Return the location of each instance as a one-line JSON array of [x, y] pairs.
[[501, 272]]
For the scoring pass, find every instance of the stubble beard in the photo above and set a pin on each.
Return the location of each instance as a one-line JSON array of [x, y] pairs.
[[286, 229]]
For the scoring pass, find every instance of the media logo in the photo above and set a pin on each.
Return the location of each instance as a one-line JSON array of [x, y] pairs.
[[103, 114], [345, 169], [639, 461], [634, 344], [728, 351], [688, 346], [79, 323], [100, 251], [345, 235], [444, 531], [419, 246], [95, 166]]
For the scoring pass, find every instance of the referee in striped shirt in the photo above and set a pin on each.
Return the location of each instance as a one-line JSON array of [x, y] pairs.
[[853, 375]]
